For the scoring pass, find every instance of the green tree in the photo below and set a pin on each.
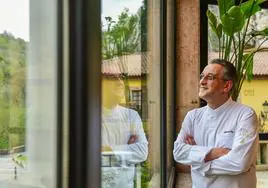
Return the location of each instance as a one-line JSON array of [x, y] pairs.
[[12, 90], [121, 37]]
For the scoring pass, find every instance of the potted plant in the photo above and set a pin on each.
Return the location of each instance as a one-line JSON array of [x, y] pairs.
[[231, 27]]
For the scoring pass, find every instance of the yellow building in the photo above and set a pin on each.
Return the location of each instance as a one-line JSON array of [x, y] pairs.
[[254, 93], [131, 69]]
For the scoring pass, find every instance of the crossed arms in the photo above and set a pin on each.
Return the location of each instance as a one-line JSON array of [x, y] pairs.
[[214, 153], [218, 160]]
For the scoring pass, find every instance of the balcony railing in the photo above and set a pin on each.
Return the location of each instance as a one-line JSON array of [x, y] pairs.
[[116, 161]]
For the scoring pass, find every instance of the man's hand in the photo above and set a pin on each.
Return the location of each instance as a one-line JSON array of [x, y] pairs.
[[132, 139], [215, 153], [189, 140]]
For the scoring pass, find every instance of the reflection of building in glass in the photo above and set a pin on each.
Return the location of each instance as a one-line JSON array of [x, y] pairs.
[[132, 69], [124, 143], [135, 98]]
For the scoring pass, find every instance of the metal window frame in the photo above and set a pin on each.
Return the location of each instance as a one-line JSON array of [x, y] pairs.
[[59, 157], [163, 92], [85, 93]]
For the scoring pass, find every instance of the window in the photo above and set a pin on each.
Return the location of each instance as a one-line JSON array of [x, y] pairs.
[[136, 99], [131, 94], [29, 89]]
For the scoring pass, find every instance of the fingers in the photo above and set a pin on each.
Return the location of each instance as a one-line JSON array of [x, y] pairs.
[[225, 151], [190, 140], [216, 153], [132, 139]]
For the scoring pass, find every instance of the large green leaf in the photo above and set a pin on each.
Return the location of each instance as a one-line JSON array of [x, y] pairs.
[[212, 20], [250, 7], [233, 21], [224, 6]]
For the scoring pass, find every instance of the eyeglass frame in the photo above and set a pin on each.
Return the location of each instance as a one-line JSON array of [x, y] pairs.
[[210, 76]]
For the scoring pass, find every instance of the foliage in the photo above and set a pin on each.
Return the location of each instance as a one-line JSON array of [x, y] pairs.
[[232, 30], [21, 160], [146, 175], [121, 37], [12, 90], [4, 121], [125, 36]]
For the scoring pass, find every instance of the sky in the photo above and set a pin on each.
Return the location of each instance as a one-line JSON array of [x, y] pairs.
[[113, 8], [14, 14], [14, 17]]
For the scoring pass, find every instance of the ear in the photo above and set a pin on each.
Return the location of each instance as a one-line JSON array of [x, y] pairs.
[[228, 86]]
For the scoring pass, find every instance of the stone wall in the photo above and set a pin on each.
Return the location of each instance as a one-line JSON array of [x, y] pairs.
[[188, 63]]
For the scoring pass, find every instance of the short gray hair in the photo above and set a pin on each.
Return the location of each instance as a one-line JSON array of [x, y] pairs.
[[229, 70]]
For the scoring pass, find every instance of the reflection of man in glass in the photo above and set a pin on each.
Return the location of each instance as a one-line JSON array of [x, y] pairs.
[[123, 140]]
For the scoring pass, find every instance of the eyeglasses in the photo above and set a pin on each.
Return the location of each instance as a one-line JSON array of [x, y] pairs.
[[209, 76]]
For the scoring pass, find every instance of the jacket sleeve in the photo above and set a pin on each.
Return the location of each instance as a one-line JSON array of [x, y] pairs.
[[139, 150], [244, 149], [188, 154]]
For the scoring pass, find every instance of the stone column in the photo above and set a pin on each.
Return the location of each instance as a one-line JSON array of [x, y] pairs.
[[187, 62]]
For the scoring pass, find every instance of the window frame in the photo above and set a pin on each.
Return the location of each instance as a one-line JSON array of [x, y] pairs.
[[84, 93]]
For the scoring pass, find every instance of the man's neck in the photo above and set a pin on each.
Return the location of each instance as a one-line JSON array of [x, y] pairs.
[[214, 104], [109, 104]]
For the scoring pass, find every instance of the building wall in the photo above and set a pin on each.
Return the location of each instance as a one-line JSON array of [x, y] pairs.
[[132, 82], [254, 93]]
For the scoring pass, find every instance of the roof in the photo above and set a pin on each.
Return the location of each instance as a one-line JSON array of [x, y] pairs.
[[131, 65], [260, 62]]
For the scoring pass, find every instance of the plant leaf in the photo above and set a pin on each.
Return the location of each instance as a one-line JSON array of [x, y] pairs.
[[248, 61], [260, 1], [219, 30], [233, 21], [263, 32], [224, 6], [249, 8], [212, 18], [213, 23]]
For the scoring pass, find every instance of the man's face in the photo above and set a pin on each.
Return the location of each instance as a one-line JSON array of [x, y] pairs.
[[212, 85], [112, 91]]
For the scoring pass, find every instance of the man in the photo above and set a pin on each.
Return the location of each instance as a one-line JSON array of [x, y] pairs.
[[219, 140], [124, 143]]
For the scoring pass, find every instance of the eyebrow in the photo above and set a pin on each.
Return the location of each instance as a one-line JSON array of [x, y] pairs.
[[209, 74]]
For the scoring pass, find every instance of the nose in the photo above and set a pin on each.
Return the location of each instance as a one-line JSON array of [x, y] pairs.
[[203, 80]]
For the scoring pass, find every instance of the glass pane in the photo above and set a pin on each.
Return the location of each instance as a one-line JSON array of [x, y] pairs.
[[253, 93], [130, 93], [28, 85]]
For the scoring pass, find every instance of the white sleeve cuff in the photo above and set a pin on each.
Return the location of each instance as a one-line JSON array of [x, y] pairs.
[[198, 153]]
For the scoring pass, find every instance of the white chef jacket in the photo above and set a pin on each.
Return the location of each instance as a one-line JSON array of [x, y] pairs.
[[118, 124], [233, 126]]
